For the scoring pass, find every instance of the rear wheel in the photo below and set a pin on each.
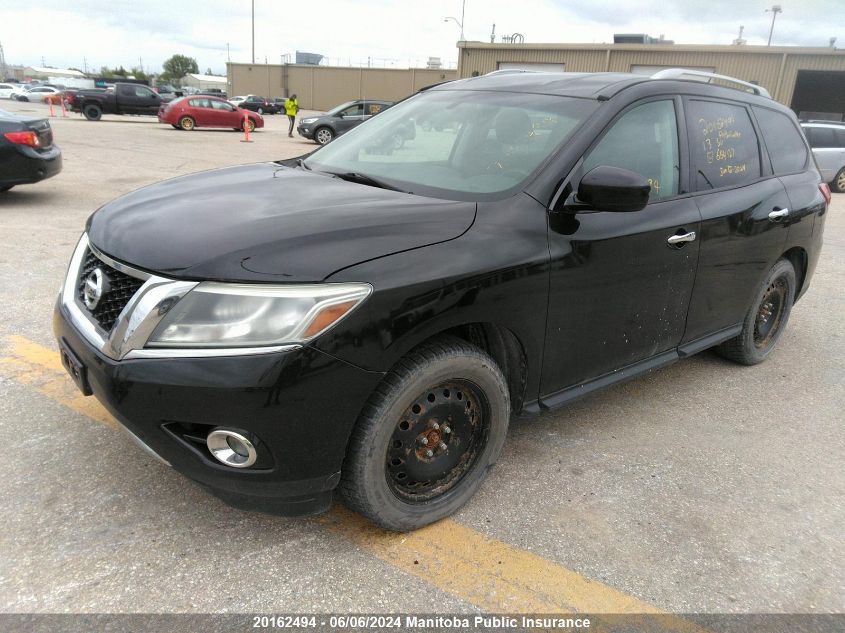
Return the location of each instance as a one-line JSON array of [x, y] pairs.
[[428, 436], [766, 318], [92, 112], [838, 184], [187, 123], [323, 135], [260, 111]]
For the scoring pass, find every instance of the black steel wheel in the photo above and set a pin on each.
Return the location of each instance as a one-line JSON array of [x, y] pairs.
[[427, 437], [92, 112], [766, 318]]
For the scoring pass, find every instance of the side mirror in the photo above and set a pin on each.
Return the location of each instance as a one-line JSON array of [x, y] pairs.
[[613, 189]]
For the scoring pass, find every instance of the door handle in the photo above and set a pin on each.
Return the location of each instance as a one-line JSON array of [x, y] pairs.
[[680, 239], [778, 214]]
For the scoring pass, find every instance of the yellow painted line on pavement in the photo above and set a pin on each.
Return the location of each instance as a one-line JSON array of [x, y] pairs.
[[482, 571], [39, 367]]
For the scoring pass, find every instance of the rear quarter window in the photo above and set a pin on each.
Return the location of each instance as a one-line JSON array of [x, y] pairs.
[[724, 148], [783, 141]]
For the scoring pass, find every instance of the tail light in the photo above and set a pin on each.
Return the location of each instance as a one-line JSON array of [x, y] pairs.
[[28, 137], [825, 189]]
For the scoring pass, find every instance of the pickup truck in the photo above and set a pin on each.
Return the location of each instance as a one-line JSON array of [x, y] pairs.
[[123, 98]]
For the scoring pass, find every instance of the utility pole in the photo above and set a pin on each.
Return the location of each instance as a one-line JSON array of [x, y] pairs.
[[228, 53], [455, 20], [2, 63], [85, 64], [253, 31], [776, 8]]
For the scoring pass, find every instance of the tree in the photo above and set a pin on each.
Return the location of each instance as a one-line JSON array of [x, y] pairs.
[[178, 66], [208, 71]]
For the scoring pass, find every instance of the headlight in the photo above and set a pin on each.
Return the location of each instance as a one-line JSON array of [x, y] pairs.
[[250, 315], [306, 121]]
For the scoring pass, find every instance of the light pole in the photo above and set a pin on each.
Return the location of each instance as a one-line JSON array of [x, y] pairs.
[[455, 20], [253, 31], [775, 10]]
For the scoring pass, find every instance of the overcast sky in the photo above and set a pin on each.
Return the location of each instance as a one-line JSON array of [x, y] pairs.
[[389, 32]]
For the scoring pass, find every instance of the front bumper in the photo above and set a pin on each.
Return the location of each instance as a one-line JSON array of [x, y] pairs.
[[23, 165], [301, 406], [305, 131]]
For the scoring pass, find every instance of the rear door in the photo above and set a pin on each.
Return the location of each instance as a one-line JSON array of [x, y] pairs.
[[201, 111], [828, 143], [742, 207]]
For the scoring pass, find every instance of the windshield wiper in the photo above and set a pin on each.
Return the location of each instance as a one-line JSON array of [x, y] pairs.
[[302, 165], [364, 179]]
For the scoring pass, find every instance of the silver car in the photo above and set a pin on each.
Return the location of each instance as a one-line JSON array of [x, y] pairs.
[[827, 138]]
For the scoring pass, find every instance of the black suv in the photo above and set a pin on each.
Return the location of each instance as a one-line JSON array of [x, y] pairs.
[[380, 314]]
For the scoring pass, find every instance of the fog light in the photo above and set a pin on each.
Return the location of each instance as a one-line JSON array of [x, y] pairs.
[[231, 448]]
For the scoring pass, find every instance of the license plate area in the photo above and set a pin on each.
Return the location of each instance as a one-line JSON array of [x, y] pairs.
[[75, 368]]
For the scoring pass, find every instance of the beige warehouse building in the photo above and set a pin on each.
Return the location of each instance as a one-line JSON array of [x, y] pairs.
[[810, 80]]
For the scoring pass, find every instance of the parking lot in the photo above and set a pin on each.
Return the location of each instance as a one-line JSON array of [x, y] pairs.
[[703, 487]]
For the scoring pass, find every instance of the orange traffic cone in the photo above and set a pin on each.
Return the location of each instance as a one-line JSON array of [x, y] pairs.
[[246, 129]]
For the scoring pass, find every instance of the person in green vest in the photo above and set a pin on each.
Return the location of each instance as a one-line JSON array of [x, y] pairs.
[[291, 108]]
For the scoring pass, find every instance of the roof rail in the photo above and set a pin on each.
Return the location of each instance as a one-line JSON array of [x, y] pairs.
[[680, 73], [511, 71]]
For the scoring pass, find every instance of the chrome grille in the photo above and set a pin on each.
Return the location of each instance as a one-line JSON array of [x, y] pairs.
[[119, 290]]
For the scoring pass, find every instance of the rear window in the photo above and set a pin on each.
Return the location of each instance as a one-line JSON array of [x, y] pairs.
[[724, 148], [783, 141]]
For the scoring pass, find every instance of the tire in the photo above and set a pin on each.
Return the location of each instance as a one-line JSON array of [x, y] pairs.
[[250, 125], [323, 135], [838, 184], [174, 126], [466, 390], [260, 111], [766, 318], [187, 123], [92, 112], [6, 188]]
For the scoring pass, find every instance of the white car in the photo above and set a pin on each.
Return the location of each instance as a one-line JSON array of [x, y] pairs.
[[236, 101], [35, 94], [6, 90]]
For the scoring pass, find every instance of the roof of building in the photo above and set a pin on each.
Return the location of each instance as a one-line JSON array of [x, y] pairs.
[[214, 78], [55, 71]]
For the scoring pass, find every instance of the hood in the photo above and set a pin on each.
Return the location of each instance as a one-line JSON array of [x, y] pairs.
[[264, 222]]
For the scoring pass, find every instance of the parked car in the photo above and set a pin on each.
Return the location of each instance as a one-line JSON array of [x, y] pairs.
[[188, 113], [27, 152], [36, 93], [827, 138], [257, 104], [123, 98], [325, 128], [369, 322], [7, 89], [237, 100]]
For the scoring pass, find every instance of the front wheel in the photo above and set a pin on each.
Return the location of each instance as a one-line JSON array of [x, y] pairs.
[[428, 436], [250, 125], [766, 318], [323, 135], [838, 184]]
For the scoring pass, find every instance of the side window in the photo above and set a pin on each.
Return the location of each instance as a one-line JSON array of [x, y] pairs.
[[222, 105], [200, 103], [374, 108], [355, 110], [821, 136], [141, 91], [723, 145], [645, 141], [783, 141]]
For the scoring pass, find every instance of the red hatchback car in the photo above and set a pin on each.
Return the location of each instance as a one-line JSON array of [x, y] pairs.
[[187, 113]]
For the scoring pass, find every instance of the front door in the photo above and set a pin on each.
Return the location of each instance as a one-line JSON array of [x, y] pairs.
[[621, 282], [350, 117]]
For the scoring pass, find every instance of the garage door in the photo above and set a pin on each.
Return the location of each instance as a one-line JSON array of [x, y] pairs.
[[537, 66]]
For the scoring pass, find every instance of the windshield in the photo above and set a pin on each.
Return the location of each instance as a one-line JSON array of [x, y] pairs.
[[456, 141]]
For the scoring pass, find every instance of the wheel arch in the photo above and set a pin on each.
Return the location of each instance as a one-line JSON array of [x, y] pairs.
[[798, 257]]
